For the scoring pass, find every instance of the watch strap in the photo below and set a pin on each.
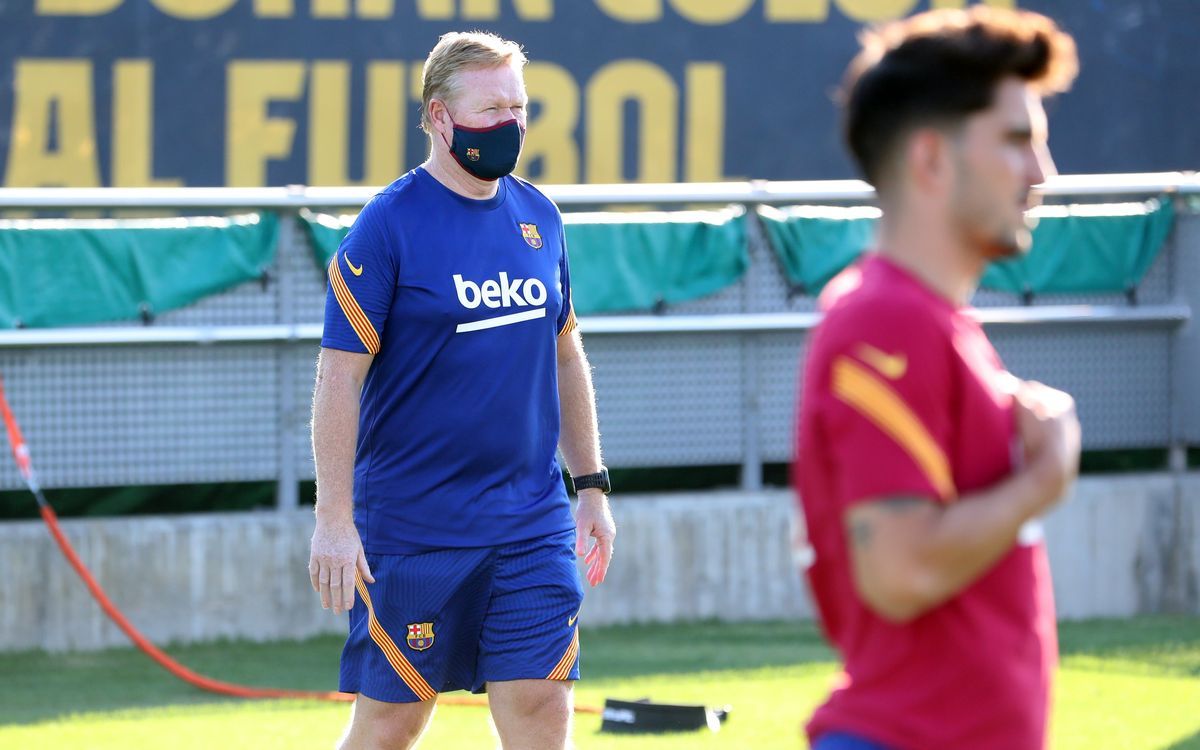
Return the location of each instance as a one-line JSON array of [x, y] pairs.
[[599, 480]]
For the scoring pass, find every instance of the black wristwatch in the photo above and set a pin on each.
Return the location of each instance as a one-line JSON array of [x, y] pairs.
[[588, 481]]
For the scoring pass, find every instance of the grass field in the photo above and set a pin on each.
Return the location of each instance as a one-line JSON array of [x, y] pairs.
[[1123, 684]]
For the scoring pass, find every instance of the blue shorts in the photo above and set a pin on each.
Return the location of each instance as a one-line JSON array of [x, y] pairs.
[[456, 619], [845, 741]]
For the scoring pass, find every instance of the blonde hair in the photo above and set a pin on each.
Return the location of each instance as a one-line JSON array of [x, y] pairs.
[[458, 51]]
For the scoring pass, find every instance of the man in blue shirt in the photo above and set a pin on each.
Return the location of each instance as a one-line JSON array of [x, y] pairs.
[[450, 359]]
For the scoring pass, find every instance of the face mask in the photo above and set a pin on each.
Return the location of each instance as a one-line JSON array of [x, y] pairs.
[[488, 153]]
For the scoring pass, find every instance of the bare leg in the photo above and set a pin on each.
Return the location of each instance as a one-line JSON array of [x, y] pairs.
[[375, 725], [532, 714]]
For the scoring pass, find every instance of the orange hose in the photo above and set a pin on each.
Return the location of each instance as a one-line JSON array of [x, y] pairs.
[[157, 654], [21, 454]]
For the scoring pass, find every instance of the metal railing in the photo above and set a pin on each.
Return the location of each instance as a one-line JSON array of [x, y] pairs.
[[1172, 315], [750, 192], [1169, 314]]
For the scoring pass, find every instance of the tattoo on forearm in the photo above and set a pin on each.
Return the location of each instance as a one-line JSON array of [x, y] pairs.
[[900, 505], [860, 532], [861, 528]]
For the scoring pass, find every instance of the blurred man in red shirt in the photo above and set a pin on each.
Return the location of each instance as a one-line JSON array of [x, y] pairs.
[[922, 464]]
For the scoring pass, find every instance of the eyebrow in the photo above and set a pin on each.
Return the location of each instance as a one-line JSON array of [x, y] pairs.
[[501, 101]]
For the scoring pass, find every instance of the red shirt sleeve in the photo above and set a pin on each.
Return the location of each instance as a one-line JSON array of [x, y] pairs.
[[887, 408]]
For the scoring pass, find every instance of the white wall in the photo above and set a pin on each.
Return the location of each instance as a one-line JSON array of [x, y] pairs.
[[1120, 546]]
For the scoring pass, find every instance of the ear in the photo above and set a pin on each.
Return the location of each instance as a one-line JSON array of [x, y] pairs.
[[929, 161], [438, 114]]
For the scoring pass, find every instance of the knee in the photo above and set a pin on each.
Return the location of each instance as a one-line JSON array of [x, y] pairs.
[[396, 733], [533, 715], [548, 706], [390, 730]]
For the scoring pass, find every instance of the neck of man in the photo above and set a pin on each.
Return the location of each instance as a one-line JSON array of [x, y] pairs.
[[928, 247], [443, 168]]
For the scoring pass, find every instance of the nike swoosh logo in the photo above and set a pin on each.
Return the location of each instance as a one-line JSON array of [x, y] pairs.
[[891, 366], [353, 270], [571, 620]]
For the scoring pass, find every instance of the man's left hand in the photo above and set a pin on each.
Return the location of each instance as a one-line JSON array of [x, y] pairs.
[[594, 519]]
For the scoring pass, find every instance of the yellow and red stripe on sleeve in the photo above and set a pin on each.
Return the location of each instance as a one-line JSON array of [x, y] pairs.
[[878, 402], [407, 672], [352, 310], [571, 323]]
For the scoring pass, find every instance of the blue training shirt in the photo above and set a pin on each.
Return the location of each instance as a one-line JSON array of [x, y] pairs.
[[461, 301]]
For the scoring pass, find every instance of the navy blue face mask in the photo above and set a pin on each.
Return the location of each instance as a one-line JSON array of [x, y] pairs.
[[487, 153]]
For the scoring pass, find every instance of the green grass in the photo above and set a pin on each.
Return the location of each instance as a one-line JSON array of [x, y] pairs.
[[1123, 684]]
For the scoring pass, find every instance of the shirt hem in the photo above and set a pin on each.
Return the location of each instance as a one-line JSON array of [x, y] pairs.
[[415, 548]]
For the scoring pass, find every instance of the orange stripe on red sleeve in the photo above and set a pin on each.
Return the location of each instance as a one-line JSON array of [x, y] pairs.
[[879, 403]]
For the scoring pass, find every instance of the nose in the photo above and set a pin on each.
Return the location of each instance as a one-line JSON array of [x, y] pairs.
[[1041, 164]]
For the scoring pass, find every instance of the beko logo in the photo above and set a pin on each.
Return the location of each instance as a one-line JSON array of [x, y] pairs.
[[500, 293], [503, 293]]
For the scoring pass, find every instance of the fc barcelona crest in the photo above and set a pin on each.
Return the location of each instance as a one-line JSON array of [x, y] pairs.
[[473, 154], [420, 635], [530, 233]]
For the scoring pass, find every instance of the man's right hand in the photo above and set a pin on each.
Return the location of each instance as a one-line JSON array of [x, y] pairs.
[[1050, 433], [337, 553]]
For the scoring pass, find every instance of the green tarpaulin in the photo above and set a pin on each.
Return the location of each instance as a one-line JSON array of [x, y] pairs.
[[58, 272], [1076, 249], [325, 233], [636, 262], [623, 262], [70, 272], [813, 243], [1081, 249]]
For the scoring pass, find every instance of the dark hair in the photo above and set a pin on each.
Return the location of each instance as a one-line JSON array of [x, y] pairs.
[[939, 67]]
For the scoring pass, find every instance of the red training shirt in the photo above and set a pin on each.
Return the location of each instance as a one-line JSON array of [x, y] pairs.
[[905, 396]]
